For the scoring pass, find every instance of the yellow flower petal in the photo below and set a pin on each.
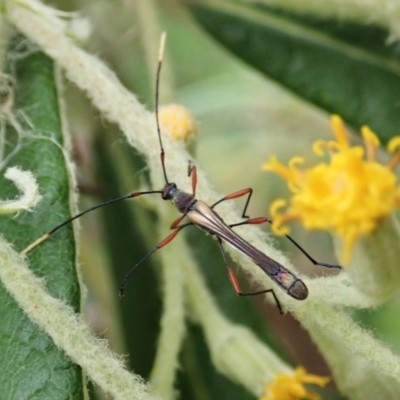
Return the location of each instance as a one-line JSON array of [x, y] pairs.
[[291, 387], [319, 146], [394, 147], [295, 160], [291, 173], [339, 131], [348, 195], [277, 218], [303, 376], [371, 142], [394, 144], [274, 165]]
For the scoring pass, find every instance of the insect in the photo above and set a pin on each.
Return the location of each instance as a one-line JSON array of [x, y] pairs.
[[204, 217]]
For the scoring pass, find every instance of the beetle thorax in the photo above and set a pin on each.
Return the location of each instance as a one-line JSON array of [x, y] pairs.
[[182, 200]]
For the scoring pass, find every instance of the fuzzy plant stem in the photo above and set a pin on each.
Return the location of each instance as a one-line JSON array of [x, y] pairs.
[[67, 330]]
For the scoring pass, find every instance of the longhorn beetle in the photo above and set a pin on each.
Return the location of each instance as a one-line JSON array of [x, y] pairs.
[[204, 217]]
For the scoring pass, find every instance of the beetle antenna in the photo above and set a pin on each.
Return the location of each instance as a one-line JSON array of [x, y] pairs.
[[160, 61]]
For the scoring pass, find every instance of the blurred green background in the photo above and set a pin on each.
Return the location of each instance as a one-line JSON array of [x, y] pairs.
[[243, 119]]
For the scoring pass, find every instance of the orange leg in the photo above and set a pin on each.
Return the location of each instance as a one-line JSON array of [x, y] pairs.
[[235, 195], [192, 171], [235, 283]]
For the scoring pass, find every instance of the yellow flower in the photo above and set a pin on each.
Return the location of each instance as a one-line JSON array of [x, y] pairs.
[[291, 387], [350, 195], [178, 121]]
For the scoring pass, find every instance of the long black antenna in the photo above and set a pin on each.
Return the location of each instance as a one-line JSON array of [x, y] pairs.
[[106, 203], [160, 61]]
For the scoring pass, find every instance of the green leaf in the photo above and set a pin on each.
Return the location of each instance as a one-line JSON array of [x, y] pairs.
[[31, 365], [344, 68]]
